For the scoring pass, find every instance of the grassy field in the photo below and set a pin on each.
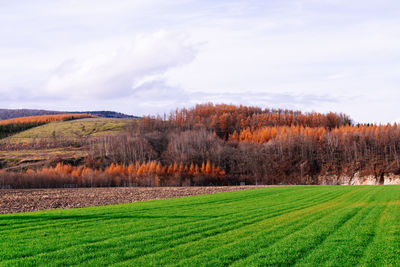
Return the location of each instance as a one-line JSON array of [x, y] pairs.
[[304, 226], [71, 129]]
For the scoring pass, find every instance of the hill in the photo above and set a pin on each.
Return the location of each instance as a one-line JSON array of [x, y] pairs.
[[109, 114], [50, 143], [71, 129], [15, 125], [6, 114], [248, 144], [45, 118]]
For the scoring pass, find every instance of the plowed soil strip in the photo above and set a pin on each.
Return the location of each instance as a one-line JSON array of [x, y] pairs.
[[24, 200]]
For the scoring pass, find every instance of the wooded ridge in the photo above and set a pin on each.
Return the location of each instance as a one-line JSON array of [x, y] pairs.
[[240, 144]]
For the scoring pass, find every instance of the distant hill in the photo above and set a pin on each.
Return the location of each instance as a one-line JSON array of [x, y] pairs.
[[108, 114], [6, 114]]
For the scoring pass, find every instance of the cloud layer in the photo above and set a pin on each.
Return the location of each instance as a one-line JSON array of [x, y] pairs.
[[151, 56], [113, 69]]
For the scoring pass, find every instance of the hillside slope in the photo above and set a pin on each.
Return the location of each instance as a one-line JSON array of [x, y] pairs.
[[71, 129], [16, 113], [12, 126]]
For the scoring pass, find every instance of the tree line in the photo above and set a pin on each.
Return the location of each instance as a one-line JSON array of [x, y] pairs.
[[151, 173], [254, 145], [247, 145]]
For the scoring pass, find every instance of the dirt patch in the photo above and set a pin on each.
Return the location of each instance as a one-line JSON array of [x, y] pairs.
[[23, 200]]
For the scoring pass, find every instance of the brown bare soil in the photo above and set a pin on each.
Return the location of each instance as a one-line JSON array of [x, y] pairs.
[[24, 200]]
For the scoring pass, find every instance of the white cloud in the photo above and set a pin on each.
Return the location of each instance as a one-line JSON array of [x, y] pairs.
[[111, 68], [144, 56]]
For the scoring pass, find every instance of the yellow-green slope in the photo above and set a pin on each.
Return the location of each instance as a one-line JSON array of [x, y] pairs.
[[71, 129]]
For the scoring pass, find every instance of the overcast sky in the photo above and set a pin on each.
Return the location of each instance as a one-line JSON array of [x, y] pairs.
[[150, 56]]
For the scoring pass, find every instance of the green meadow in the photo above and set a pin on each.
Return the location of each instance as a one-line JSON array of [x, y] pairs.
[[279, 226]]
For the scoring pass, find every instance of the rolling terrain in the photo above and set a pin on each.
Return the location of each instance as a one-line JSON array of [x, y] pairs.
[[205, 145], [71, 129], [13, 126], [301, 226], [51, 142], [15, 113]]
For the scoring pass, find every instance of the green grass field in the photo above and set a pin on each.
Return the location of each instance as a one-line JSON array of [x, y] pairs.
[[71, 129], [304, 226]]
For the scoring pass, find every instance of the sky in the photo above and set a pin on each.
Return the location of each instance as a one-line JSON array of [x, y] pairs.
[[152, 56]]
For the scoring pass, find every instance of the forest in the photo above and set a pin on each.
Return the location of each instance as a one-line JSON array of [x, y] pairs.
[[226, 145]]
